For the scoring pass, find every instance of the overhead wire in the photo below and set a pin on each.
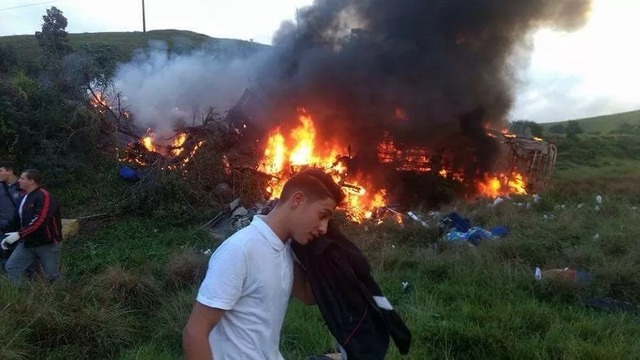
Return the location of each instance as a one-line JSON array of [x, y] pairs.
[[27, 5]]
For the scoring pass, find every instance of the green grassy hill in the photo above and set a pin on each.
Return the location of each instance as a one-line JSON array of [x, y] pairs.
[[602, 124], [26, 46]]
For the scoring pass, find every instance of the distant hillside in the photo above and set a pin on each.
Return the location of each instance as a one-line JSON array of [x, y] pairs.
[[602, 124], [27, 49]]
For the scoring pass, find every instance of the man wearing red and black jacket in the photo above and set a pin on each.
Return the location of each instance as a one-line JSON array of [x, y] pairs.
[[40, 231]]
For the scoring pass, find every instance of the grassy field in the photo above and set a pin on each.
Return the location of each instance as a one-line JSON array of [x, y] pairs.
[[603, 124], [130, 282], [26, 46]]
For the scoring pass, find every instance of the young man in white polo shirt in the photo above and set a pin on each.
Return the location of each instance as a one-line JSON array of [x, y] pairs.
[[243, 299]]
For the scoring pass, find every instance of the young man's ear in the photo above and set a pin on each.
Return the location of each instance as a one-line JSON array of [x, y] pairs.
[[297, 199]]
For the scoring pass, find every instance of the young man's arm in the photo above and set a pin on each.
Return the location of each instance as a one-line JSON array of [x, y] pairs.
[[301, 288], [195, 336], [218, 293]]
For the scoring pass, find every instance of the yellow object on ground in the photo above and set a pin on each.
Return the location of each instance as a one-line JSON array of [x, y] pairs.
[[70, 227]]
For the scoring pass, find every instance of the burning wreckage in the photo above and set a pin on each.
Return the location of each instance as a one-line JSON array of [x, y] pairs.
[[402, 175], [402, 103]]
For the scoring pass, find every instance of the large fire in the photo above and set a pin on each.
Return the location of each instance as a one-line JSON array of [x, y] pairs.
[[285, 154], [288, 151]]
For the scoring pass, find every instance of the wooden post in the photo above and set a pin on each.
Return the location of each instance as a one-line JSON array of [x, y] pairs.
[[144, 23]]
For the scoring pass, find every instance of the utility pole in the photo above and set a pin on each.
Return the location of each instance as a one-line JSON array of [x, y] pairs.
[[144, 23]]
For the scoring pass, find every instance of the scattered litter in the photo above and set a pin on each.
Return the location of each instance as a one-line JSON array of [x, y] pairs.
[[536, 198], [240, 211], [599, 199], [477, 234], [456, 228], [558, 207], [453, 222], [207, 252], [405, 285], [128, 173], [416, 218], [497, 201], [596, 237], [580, 206], [579, 278], [597, 208], [549, 216]]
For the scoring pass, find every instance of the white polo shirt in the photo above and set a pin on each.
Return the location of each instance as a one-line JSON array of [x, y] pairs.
[[250, 276]]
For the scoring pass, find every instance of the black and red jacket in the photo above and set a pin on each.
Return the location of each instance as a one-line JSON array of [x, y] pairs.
[[352, 304], [40, 220]]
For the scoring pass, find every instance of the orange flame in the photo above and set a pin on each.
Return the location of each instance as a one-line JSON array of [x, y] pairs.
[[147, 141], [98, 100], [286, 154], [177, 144], [494, 186]]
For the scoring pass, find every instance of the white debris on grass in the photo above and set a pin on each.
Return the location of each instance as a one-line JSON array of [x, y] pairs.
[[538, 273], [416, 218]]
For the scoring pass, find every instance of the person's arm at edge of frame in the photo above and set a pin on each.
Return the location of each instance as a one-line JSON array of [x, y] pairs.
[[301, 288], [195, 336]]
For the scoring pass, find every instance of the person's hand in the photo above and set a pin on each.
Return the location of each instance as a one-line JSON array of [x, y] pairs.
[[10, 239]]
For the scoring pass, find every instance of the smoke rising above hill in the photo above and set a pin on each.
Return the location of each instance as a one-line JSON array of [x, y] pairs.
[[424, 71], [160, 87]]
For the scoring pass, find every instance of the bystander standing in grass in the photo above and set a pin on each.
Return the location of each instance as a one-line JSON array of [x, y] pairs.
[[10, 196], [40, 231], [242, 301]]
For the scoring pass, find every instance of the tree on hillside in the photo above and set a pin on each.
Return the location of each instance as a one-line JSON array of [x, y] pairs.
[[526, 128], [53, 38], [573, 129], [95, 64], [58, 73]]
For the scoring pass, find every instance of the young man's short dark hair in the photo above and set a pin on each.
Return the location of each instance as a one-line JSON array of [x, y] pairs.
[[315, 184]]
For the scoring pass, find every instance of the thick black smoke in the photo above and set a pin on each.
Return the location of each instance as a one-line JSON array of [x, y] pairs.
[[430, 72]]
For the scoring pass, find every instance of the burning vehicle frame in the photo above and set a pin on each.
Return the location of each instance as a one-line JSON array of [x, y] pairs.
[[526, 166]]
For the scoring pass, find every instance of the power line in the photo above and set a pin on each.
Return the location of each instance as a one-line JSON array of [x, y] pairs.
[[27, 5]]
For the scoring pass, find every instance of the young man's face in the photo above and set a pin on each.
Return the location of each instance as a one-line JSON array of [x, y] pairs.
[[5, 174], [309, 218]]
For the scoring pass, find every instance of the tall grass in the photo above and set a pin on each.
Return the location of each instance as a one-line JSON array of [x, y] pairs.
[[129, 284]]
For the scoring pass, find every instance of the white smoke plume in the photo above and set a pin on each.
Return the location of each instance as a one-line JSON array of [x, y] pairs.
[[159, 87]]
